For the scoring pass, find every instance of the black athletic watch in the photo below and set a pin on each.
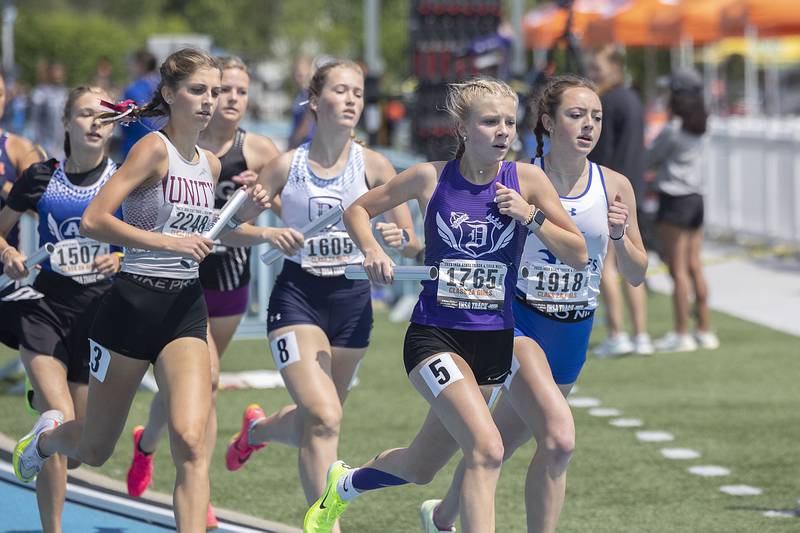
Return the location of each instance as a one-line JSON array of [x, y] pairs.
[[537, 220], [406, 238]]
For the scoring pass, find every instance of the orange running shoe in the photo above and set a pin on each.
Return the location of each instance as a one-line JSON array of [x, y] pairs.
[[239, 447], [140, 474]]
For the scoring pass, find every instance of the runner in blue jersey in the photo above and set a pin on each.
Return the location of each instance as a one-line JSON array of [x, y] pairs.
[[554, 306], [461, 335], [54, 314]]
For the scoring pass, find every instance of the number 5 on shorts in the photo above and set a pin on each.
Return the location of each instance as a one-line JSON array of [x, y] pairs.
[[99, 358], [440, 372], [284, 350]]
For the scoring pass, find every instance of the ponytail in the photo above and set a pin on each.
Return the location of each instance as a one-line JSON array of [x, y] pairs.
[[67, 148], [461, 147]]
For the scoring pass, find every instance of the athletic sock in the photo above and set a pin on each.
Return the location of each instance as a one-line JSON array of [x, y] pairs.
[[360, 480], [250, 428], [139, 447]]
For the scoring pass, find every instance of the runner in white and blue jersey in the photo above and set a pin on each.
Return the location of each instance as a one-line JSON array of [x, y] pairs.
[[478, 209], [55, 313], [554, 305], [319, 322]]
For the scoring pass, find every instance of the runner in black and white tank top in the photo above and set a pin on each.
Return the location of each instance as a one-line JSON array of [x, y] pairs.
[[228, 268]]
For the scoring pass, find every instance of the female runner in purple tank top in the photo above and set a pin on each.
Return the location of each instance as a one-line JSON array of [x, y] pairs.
[[476, 210], [550, 345]]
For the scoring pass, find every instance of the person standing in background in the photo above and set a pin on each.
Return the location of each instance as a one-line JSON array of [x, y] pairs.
[[47, 103], [676, 157], [146, 79], [620, 148], [303, 124]]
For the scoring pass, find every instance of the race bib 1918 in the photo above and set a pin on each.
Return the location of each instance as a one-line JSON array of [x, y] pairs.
[[188, 220], [557, 288], [471, 284], [75, 258], [329, 253]]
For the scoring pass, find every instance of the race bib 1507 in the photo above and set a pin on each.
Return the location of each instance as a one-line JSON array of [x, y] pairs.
[[75, 258]]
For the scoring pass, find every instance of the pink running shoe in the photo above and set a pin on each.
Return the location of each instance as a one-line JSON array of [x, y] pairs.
[[140, 474], [239, 447], [211, 519]]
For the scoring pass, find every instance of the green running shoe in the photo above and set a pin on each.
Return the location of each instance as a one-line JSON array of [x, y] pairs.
[[27, 461], [321, 517]]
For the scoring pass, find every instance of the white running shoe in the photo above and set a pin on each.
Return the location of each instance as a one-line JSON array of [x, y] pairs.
[[426, 511], [673, 342], [707, 340], [27, 461], [642, 345], [614, 346]]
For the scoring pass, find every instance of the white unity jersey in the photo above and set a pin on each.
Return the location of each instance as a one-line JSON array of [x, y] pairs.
[[182, 203]]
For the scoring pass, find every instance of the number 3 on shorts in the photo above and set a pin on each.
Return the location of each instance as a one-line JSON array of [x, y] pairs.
[[284, 350], [440, 372], [99, 358]]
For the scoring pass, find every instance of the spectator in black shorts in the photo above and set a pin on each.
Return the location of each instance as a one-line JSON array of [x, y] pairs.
[[676, 155]]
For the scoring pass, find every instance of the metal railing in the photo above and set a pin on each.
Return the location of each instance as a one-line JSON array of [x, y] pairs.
[[752, 187]]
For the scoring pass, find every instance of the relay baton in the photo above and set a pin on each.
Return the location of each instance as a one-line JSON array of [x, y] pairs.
[[225, 215], [401, 273], [39, 256], [309, 230]]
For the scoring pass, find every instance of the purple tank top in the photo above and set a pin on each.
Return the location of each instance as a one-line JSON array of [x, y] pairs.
[[477, 251]]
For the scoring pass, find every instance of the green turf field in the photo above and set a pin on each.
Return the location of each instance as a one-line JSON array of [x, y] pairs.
[[738, 406]]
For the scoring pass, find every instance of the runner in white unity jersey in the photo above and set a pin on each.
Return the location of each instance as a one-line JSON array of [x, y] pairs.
[[318, 321], [555, 303], [155, 312]]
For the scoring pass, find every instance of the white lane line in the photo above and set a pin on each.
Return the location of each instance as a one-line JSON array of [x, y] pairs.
[[604, 411], [626, 423], [581, 401], [679, 453], [782, 513], [709, 470], [741, 490], [654, 436]]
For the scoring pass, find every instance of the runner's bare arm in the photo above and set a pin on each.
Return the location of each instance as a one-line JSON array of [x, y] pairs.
[[380, 171], [12, 259], [622, 221], [558, 232]]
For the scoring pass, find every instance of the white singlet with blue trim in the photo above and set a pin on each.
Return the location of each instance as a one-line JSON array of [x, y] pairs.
[[306, 196], [182, 203], [553, 287]]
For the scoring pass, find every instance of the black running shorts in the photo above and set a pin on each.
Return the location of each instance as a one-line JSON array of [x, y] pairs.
[[59, 323], [684, 211], [488, 353], [140, 315]]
